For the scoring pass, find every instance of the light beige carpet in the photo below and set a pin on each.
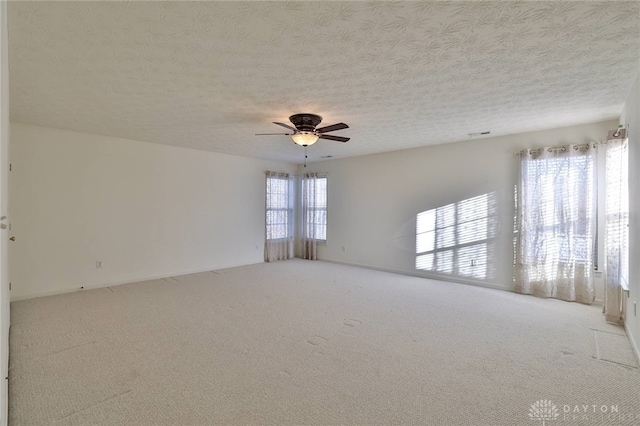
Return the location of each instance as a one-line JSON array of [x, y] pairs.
[[612, 347], [301, 342]]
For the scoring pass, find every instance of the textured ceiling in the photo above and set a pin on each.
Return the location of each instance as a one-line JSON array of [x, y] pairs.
[[208, 75]]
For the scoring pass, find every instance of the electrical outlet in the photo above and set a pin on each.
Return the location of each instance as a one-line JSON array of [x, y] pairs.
[[344, 249], [635, 311], [98, 264]]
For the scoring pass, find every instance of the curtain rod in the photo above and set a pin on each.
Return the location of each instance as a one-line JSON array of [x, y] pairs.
[[619, 133], [583, 145]]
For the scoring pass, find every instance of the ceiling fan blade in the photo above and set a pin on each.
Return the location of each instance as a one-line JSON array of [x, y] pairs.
[[285, 125], [334, 138], [262, 134], [333, 127]]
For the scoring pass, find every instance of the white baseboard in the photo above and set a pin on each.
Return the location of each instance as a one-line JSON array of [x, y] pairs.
[[127, 281], [634, 344], [427, 275]]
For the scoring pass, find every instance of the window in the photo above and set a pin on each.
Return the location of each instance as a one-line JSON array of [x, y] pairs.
[[556, 223], [279, 207], [458, 238], [617, 214], [561, 211], [314, 199]]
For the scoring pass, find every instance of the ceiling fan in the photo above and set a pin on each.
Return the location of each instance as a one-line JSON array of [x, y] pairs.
[[306, 133]]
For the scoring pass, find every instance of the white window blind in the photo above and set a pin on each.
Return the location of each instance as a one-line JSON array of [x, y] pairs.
[[279, 207], [315, 208], [617, 213]]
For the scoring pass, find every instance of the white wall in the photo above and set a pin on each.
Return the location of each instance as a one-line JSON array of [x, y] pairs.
[[144, 210], [373, 200], [631, 118], [4, 162]]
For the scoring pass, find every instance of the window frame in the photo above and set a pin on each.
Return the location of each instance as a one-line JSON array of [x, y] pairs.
[[609, 218], [324, 210], [289, 216]]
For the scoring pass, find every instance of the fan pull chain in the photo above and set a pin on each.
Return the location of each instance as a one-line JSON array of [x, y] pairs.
[[305, 156]]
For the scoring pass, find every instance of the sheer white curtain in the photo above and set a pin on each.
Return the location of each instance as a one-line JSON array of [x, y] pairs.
[[278, 217], [556, 223], [310, 219], [617, 229]]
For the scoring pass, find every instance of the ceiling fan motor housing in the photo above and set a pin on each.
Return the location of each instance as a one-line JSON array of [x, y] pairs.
[[305, 122]]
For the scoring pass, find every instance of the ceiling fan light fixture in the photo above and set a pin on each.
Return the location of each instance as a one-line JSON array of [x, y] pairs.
[[304, 138]]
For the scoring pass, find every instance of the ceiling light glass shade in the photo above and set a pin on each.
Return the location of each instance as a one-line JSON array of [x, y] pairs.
[[304, 138]]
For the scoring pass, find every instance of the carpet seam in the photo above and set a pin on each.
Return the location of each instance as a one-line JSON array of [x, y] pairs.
[[93, 405]]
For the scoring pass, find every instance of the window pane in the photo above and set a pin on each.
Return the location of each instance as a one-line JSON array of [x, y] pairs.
[[321, 193], [279, 208], [314, 201]]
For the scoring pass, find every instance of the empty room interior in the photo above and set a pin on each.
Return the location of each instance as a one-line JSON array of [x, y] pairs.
[[320, 213]]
